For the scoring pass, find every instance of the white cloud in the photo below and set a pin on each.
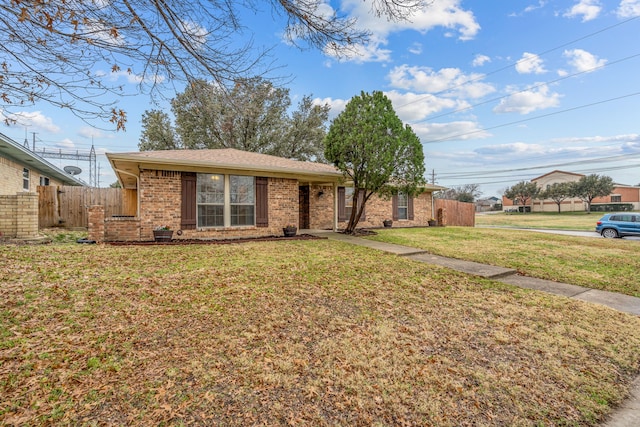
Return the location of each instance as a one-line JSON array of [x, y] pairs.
[[411, 107], [515, 148], [32, 120], [360, 53], [415, 48], [582, 60], [587, 9], [91, 132], [66, 144], [337, 105], [451, 81], [480, 60], [530, 63], [628, 9], [528, 101], [451, 131], [442, 13]]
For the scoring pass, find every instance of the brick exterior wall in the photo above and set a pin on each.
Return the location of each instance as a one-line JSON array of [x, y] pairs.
[[8, 216], [378, 209], [19, 216], [321, 207], [96, 223]]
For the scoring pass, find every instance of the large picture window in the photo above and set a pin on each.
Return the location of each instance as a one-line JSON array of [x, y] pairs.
[[225, 200]]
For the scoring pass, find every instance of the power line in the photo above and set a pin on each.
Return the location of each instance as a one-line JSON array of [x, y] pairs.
[[579, 107], [523, 60], [470, 107]]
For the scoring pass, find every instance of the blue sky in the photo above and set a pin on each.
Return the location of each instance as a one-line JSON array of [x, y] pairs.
[[497, 91]]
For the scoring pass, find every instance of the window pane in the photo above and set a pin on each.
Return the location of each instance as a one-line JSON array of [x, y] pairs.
[[403, 202], [242, 189], [242, 215], [210, 215], [210, 189]]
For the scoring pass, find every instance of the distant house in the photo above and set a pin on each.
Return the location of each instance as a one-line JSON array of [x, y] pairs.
[[228, 193], [487, 205], [21, 172], [621, 198]]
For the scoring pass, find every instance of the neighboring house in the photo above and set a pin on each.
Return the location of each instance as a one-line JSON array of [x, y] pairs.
[[487, 205], [21, 172], [621, 197], [228, 193]]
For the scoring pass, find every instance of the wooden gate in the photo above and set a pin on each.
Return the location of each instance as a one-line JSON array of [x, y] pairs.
[[456, 213], [67, 206]]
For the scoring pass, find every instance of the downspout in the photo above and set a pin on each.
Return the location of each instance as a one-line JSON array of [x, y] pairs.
[[137, 190]]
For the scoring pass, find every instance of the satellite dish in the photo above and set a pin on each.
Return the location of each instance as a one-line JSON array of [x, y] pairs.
[[72, 170]]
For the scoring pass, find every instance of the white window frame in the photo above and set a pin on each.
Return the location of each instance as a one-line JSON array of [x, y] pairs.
[[403, 198], [227, 220], [26, 179], [44, 181]]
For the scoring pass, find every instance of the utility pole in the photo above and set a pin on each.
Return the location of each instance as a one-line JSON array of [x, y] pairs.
[[34, 141], [433, 176]]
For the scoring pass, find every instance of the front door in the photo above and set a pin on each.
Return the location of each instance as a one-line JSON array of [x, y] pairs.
[[303, 208]]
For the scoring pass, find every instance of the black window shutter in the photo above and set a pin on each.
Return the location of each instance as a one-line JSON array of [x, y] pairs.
[[394, 207], [262, 201], [410, 207], [188, 210], [341, 204]]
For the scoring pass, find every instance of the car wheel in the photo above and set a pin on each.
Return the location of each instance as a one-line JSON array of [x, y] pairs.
[[609, 233]]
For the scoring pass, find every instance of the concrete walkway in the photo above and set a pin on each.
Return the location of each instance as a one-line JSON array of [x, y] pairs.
[[628, 414]]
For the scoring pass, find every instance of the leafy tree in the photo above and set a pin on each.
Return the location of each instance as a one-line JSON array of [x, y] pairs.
[[592, 186], [558, 192], [463, 193], [67, 52], [374, 150], [251, 116], [115, 185], [522, 192], [157, 132]]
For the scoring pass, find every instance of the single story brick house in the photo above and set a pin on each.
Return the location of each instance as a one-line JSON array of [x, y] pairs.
[[228, 193]]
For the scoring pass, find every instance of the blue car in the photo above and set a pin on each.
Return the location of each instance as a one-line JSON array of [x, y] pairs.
[[616, 225]]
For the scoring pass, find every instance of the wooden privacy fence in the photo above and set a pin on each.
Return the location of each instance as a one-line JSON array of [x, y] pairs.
[[67, 206], [456, 213]]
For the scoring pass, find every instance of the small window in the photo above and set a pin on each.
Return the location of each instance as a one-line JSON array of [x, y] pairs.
[[44, 181], [403, 206], [616, 199], [25, 179]]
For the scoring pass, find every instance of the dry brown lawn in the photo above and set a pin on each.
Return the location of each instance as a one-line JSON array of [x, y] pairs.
[[303, 333]]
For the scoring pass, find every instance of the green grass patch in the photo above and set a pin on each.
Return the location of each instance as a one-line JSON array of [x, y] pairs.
[[607, 264], [308, 333]]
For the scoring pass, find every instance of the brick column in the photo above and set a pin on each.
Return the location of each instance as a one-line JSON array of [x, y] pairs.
[[26, 215], [96, 223]]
